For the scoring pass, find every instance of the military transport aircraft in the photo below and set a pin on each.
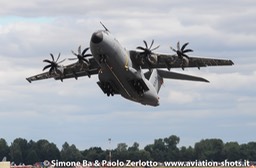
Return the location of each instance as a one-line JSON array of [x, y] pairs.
[[136, 75]]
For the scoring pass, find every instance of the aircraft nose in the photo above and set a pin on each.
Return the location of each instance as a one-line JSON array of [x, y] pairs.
[[97, 37]]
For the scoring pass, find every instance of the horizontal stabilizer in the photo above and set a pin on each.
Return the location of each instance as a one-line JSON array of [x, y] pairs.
[[175, 75]]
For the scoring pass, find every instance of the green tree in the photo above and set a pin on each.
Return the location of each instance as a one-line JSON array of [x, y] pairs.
[[158, 150], [172, 149], [134, 147], [248, 151], [4, 149], [121, 147], [149, 149], [18, 150], [46, 150], [32, 157], [231, 151], [94, 153], [144, 155], [16, 153], [21, 151], [209, 149], [164, 149], [186, 154], [121, 152], [135, 154], [251, 150], [70, 153]]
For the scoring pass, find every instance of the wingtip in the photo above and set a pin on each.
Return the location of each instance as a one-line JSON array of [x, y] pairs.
[[207, 81], [28, 80], [203, 80]]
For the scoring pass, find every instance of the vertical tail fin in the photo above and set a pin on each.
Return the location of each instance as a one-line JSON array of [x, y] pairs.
[[156, 79]]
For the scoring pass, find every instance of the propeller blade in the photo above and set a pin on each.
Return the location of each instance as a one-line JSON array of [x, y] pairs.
[[52, 56], [187, 50], [184, 55], [61, 61], [73, 53], [58, 58], [87, 55], [85, 60], [71, 59], [184, 46], [47, 66], [146, 53], [48, 61], [81, 56], [79, 50], [173, 49], [85, 50], [178, 45], [181, 51], [52, 64], [151, 44], [145, 44], [141, 48], [155, 48]]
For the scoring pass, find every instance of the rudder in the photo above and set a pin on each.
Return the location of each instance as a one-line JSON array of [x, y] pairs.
[[156, 80]]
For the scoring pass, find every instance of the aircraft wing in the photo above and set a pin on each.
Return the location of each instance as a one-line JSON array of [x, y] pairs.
[[74, 70], [173, 61]]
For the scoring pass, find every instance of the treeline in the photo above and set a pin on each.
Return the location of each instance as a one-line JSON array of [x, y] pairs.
[[166, 149]]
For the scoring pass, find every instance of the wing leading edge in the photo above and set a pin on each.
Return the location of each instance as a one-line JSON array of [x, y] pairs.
[[74, 70], [175, 62]]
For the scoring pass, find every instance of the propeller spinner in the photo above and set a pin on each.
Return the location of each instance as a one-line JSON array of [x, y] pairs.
[[181, 52], [147, 52], [53, 65], [81, 56]]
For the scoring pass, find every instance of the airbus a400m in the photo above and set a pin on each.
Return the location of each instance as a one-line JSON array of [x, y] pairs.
[[136, 75]]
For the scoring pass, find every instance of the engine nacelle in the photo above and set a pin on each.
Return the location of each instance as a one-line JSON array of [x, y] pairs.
[[84, 65], [153, 58], [185, 61], [59, 70]]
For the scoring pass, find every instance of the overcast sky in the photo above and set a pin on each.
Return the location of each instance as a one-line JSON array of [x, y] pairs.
[[78, 112]]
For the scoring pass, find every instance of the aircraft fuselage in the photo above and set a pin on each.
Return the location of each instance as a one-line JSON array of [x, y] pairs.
[[117, 74]]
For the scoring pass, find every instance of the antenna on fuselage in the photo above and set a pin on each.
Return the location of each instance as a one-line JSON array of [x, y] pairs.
[[104, 26]]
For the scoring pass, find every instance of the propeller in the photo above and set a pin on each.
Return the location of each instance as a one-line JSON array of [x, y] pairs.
[[81, 56], [181, 51], [147, 51], [54, 64]]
